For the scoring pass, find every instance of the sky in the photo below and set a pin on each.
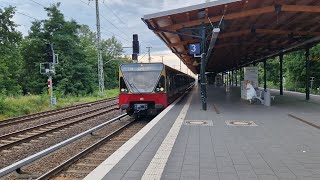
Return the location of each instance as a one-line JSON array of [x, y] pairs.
[[121, 18]]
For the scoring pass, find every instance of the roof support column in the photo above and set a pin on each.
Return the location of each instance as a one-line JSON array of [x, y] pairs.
[[241, 74], [222, 78], [229, 75], [236, 77], [265, 74], [203, 69], [232, 77], [281, 73], [307, 74]]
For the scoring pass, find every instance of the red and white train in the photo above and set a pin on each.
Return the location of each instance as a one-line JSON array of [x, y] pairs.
[[148, 88]]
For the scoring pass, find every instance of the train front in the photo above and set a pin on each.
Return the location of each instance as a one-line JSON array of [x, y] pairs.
[[142, 88]]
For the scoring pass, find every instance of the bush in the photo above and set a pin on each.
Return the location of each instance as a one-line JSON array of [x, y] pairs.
[[2, 103], [22, 105]]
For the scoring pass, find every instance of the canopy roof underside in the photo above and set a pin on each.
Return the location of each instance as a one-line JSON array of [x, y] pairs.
[[251, 30]]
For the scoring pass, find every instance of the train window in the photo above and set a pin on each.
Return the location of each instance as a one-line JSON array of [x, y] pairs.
[[141, 78]]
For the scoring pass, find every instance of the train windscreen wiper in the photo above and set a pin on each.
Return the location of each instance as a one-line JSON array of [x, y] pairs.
[[133, 86]]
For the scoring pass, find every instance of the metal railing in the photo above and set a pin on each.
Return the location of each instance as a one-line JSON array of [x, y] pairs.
[[16, 166]]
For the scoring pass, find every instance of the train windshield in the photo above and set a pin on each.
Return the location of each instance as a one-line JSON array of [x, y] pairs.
[[141, 78]]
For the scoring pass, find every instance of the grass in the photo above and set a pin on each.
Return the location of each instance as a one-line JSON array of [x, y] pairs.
[[23, 105]]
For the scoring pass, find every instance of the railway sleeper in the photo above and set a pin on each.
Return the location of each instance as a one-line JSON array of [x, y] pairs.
[[55, 125], [76, 171], [95, 159], [34, 140], [35, 132], [19, 174], [87, 165], [45, 129], [17, 138], [99, 154], [17, 147], [28, 134], [7, 141]]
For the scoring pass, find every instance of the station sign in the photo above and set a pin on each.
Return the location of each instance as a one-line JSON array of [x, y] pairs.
[[194, 48]]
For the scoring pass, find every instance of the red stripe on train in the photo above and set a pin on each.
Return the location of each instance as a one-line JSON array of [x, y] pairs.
[[156, 98]]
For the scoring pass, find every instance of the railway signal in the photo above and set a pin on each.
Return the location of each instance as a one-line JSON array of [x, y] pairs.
[[135, 48], [48, 69]]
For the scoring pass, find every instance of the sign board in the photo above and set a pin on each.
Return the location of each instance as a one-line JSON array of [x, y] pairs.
[[251, 74], [53, 101], [194, 48], [250, 77]]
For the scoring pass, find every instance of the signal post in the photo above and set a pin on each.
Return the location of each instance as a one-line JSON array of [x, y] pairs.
[[48, 69]]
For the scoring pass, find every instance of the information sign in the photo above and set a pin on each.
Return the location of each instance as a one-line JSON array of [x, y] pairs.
[[194, 48]]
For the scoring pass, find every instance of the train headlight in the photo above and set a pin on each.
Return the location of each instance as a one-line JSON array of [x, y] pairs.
[[158, 89], [123, 90], [162, 89]]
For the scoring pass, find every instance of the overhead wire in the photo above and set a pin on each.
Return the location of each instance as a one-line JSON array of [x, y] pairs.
[[118, 35], [27, 15], [106, 19], [113, 13], [122, 32], [115, 34], [142, 56], [38, 3]]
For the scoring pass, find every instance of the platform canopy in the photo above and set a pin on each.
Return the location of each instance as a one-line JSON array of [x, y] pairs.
[[251, 30]]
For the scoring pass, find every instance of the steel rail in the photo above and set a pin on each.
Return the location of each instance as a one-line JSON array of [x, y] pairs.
[[16, 166], [6, 136], [6, 146], [29, 117], [83, 153]]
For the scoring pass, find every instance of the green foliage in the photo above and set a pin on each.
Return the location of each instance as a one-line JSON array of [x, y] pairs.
[[294, 70], [2, 103], [10, 58], [22, 105], [76, 74]]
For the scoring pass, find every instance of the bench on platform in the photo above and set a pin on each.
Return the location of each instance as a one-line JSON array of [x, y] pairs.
[[258, 96]]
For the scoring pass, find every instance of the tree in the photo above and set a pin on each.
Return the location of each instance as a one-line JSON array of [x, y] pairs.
[[74, 75], [111, 51], [10, 58]]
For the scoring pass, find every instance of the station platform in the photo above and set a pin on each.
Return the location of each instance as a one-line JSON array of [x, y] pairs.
[[184, 142]]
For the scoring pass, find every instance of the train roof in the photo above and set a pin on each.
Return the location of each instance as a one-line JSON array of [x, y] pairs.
[[166, 67]]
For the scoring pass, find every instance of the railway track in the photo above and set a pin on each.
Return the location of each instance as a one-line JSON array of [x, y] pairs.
[[81, 156], [28, 134], [22, 119], [81, 164]]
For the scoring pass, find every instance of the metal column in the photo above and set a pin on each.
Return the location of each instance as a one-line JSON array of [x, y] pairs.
[[232, 77], [100, 60], [265, 74], [203, 69], [281, 74], [228, 78], [307, 74], [51, 90], [237, 77]]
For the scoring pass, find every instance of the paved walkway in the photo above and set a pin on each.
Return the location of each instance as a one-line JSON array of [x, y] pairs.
[[278, 147]]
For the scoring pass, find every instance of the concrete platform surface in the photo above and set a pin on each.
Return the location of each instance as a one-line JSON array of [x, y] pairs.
[[273, 145]]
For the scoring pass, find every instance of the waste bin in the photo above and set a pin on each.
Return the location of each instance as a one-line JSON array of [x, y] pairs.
[[267, 98]]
